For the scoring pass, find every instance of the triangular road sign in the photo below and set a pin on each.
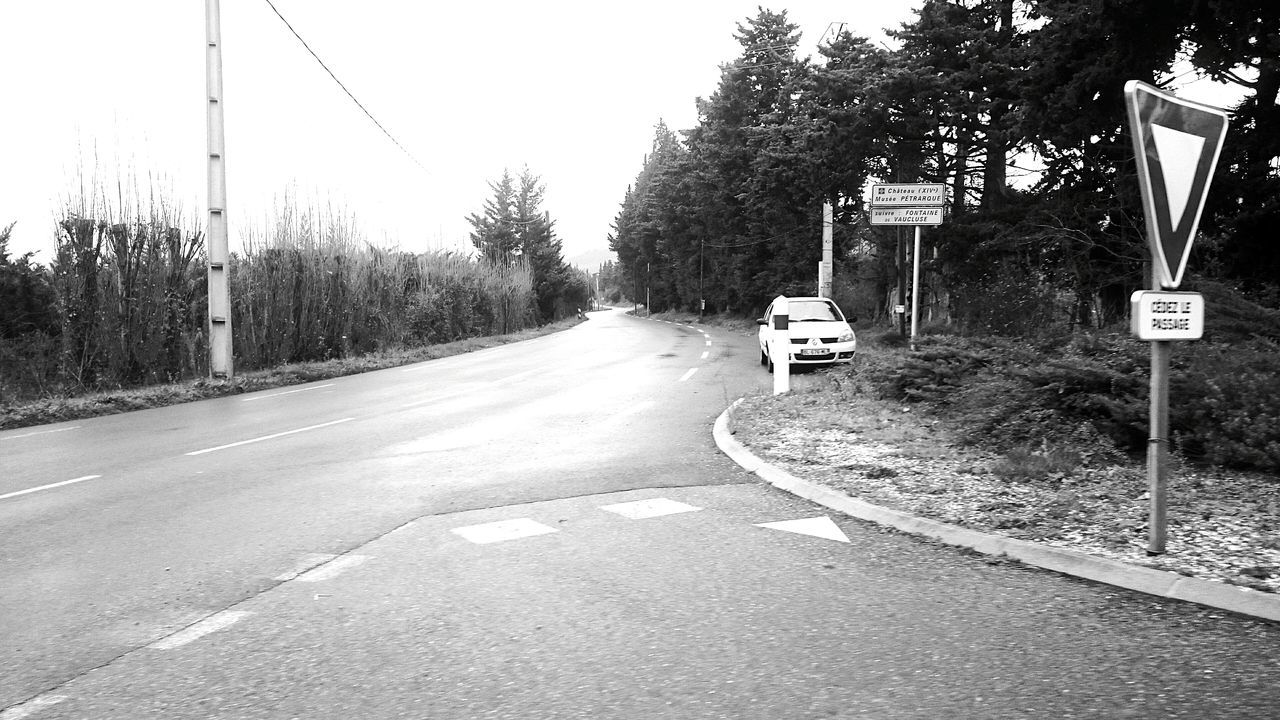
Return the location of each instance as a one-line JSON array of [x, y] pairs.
[[820, 526], [1177, 143]]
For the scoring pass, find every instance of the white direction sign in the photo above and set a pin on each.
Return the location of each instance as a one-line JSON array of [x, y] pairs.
[[908, 195], [1176, 143], [906, 215], [1166, 315]]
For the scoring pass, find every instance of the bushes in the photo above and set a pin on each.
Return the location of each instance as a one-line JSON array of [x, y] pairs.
[[1089, 395]]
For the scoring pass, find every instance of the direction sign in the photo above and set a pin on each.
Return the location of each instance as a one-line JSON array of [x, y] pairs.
[[906, 216], [1177, 144], [1166, 315], [908, 195]]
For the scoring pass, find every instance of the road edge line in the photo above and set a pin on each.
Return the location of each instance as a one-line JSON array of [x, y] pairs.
[[1162, 583]]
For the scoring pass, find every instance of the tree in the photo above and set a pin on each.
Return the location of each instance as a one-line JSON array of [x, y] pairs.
[[27, 302], [494, 232]]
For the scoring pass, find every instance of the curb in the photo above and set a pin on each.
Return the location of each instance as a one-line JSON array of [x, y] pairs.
[[1162, 583]]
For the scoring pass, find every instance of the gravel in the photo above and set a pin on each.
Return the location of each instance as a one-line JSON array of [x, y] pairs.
[[1222, 526]]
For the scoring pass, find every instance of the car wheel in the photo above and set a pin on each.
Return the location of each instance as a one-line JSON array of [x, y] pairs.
[[764, 357]]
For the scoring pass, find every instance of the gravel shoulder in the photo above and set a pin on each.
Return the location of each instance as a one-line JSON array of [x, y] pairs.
[[1223, 526]]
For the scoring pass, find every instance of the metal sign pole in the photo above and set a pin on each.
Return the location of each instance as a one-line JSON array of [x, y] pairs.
[[915, 288], [1158, 439]]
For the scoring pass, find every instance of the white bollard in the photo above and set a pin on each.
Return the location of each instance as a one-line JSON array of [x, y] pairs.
[[781, 348]]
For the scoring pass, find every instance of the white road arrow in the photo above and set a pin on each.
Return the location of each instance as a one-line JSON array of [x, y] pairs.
[[821, 527]]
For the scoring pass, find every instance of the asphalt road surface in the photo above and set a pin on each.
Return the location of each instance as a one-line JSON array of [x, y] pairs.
[[541, 530]]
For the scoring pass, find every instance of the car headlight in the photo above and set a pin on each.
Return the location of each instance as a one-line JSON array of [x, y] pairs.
[[845, 337]]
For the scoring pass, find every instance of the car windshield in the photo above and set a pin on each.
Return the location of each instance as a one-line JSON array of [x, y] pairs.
[[811, 310]]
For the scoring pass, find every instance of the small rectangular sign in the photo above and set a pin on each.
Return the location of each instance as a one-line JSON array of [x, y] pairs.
[[906, 216], [1166, 315], [908, 195]]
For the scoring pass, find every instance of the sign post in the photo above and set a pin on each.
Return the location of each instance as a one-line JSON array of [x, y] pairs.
[[913, 204], [1176, 145]]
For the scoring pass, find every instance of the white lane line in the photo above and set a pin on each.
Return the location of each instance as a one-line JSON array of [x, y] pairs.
[[705, 353], [503, 530], [641, 509], [49, 486], [286, 392], [330, 570], [688, 374], [18, 712], [307, 562], [708, 342], [268, 437], [191, 633], [39, 432]]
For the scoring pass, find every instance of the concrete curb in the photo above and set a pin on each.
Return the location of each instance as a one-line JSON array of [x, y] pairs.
[[1070, 562]]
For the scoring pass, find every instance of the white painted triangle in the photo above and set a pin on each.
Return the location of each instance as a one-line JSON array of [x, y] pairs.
[[820, 527], [1179, 154]]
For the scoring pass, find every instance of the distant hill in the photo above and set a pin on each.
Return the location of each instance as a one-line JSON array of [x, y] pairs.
[[592, 259]]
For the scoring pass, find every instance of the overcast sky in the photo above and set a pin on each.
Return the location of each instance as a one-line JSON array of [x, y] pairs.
[[572, 89]]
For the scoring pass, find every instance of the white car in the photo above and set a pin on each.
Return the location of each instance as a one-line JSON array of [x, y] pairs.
[[817, 333]]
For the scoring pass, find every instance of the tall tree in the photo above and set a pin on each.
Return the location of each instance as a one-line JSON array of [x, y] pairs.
[[494, 232]]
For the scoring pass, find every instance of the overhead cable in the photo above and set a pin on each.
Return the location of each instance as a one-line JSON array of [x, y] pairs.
[[344, 88]]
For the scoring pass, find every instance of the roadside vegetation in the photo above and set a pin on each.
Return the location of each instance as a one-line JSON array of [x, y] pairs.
[[118, 319]]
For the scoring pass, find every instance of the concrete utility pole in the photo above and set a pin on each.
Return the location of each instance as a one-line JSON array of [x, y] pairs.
[[826, 268], [220, 357]]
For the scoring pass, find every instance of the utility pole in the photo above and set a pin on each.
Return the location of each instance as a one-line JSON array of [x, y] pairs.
[[220, 356], [826, 268]]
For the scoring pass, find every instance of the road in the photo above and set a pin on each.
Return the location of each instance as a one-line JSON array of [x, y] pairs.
[[538, 530]]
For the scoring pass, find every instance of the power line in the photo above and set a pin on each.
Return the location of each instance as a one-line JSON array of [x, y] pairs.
[[344, 88]]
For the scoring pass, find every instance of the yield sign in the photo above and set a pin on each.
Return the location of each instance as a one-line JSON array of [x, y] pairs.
[[1177, 144]]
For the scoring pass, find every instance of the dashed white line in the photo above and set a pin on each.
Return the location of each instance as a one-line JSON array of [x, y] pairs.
[[705, 353], [305, 563], [503, 530], [191, 633], [688, 374], [39, 432], [18, 712], [642, 509], [49, 486], [332, 569], [268, 437], [286, 392], [708, 342]]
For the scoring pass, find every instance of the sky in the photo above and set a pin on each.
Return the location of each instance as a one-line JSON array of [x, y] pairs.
[[99, 92]]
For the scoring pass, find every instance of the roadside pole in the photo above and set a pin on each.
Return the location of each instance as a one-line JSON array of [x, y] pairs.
[[780, 351], [826, 268], [220, 350], [915, 287]]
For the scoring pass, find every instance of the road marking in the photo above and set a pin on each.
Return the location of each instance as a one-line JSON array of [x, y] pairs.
[[708, 342], [705, 353], [268, 437], [39, 432], [688, 374], [48, 487], [191, 633], [333, 569], [503, 530], [820, 527], [18, 712], [641, 509], [286, 392], [305, 563]]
